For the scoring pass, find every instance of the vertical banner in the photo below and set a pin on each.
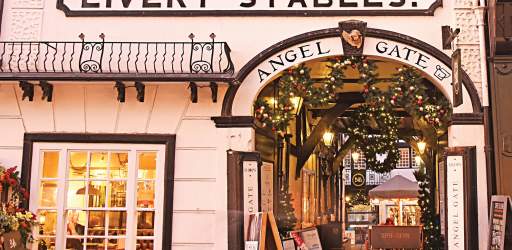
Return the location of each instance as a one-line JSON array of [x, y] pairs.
[[461, 207], [267, 187], [455, 202], [250, 194]]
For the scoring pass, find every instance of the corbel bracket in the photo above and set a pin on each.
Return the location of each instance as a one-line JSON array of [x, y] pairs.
[[28, 90], [121, 91], [47, 89]]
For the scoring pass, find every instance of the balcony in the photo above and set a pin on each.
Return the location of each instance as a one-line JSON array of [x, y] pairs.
[[104, 61]]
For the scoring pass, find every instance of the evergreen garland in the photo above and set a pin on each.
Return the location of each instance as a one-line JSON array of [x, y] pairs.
[[365, 119], [360, 197], [430, 220], [285, 216]]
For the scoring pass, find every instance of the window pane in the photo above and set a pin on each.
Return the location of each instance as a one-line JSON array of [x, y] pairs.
[[117, 194], [117, 244], [95, 244], [74, 244], [48, 221], [75, 222], [97, 193], [97, 223], [145, 223], [49, 243], [77, 165], [98, 166], [76, 194], [146, 194], [51, 165], [147, 165], [144, 245], [119, 166], [117, 223], [48, 194]]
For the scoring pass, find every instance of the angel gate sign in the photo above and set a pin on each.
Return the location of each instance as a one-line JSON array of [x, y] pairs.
[[247, 7]]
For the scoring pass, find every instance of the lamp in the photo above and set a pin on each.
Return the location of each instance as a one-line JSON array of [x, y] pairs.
[[327, 138], [297, 104], [418, 160], [422, 145], [355, 156]]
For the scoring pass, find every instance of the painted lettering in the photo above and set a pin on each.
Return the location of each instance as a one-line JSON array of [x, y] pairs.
[[87, 4], [408, 53], [304, 49], [367, 3], [421, 59], [395, 50], [249, 4], [319, 47], [317, 3], [147, 4], [343, 3], [180, 2], [293, 2], [263, 75], [274, 62], [292, 54], [382, 47], [398, 3]]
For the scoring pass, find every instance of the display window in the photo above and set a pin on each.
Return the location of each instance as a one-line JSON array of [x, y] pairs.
[[100, 196]]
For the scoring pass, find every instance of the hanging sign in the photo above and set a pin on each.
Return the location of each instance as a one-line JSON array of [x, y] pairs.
[[457, 78], [247, 7], [358, 178]]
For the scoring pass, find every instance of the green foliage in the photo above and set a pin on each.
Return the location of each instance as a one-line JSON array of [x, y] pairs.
[[430, 220], [285, 216]]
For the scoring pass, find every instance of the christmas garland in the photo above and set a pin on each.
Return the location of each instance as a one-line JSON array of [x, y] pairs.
[[407, 91], [432, 239], [375, 146], [360, 197]]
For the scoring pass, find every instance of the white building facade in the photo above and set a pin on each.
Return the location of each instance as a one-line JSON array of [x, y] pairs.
[[173, 149]]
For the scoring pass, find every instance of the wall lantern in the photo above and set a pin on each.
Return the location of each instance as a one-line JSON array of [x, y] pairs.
[[422, 145], [418, 160], [297, 104], [355, 156], [328, 138]]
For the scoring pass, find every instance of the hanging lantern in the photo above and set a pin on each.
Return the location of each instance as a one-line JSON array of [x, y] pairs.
[[422, 145], [297, 104], [355, 156], [328, 138], [418, 160]]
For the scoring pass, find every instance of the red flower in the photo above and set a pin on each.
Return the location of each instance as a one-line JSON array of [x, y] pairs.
[[13, 182], [26, 194], [23, 224]]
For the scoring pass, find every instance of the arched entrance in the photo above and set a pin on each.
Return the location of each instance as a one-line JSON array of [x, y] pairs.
[[384, 45]]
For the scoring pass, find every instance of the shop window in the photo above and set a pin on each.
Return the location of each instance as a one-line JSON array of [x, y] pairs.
[[89, 197]]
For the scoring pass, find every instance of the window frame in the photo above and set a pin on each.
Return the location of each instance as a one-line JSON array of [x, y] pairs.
[[168, 140]]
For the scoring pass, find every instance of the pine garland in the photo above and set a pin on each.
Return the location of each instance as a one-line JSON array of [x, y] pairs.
[[285, 216], [365, 118], [360, 197], [430, 220]]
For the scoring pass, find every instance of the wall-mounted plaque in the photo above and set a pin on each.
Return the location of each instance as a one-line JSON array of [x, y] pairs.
[[248, 7], [267, 187]]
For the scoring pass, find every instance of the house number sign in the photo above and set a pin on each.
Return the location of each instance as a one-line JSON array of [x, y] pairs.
[[246, 7]]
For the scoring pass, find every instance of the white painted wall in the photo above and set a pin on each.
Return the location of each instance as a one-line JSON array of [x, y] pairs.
[[200, 174]]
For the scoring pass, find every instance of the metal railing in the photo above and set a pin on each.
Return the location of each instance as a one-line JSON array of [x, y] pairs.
[[100, 57]]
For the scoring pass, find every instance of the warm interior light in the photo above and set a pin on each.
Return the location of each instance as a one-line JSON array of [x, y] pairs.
[[42, 219], [347, 199], [327, 138], [355, 156], [418, 160], [421, 146], [297, 103]]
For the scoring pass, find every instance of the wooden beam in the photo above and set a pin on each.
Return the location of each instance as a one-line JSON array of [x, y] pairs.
[[309, 145]]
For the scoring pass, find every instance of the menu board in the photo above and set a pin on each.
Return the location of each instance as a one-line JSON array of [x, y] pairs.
[[500, 223]]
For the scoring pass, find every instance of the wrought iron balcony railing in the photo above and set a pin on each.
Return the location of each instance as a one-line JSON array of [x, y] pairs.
[[190, 60]]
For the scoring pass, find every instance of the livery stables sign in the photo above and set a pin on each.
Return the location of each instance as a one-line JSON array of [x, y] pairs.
[[247, 7]]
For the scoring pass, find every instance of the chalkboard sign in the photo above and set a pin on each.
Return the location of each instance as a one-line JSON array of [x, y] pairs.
[[500, 223]]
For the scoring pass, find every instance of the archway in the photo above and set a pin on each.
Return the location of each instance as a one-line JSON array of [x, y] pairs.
[[389, 46]]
